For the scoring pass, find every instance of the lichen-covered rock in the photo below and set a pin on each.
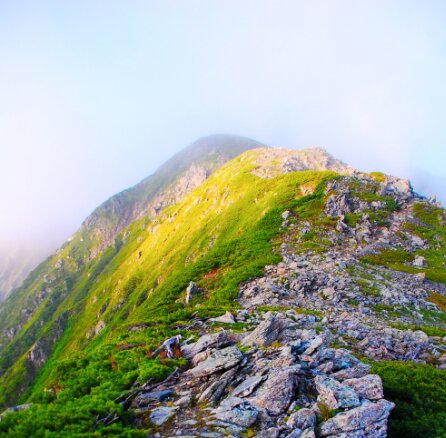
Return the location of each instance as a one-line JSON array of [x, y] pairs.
[[265, 333], [335, 395], [302, 419], [207, 341], [237, 411], [218, 360], [369, 420], [247, 387], [277, 392], [162, 414], [370, 386]]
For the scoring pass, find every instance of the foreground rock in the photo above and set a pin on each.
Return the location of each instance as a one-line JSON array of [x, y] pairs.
[[279, 380], [367, 420]]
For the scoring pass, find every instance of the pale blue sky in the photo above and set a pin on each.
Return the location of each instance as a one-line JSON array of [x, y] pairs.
[[94, 95]]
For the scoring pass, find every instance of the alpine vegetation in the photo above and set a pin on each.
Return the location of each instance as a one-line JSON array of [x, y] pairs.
[[238, 291]]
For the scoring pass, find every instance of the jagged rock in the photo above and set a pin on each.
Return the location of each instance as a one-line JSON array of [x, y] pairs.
[[214, 392], [214, 340], [299, 433], [356, 371], [370, 386], [286, 214], [335, 395], [420, 337], [370, 419], [94, 331], [227, 318], [308, 433], [419, 261], [337, 205], [191, 291], [401, 185], [272, 432], [314, 345], [218, 360], [276, 393], [248, 386], [37, 354], [302, 419], [238, 411], [162, 414], [417, 241], [266, 332]]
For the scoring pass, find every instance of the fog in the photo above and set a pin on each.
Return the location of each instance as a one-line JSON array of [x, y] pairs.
[[95, 95]]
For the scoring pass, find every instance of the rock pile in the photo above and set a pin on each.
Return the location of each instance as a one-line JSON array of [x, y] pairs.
[[279, 380]]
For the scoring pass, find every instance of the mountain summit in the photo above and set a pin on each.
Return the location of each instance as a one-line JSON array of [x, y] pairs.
[[240, 290]]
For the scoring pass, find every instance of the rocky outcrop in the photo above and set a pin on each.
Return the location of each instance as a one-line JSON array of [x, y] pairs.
[[368, 420], [281, 386], [273, 162], [364, 307]]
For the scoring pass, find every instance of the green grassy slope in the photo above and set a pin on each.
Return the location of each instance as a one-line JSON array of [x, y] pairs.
[[224, 227], [33, 312]]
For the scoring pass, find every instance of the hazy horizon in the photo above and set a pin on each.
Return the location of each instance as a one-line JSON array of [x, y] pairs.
[[95, 97]]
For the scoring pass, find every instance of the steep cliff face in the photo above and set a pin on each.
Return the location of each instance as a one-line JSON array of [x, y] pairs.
[[298, 264]]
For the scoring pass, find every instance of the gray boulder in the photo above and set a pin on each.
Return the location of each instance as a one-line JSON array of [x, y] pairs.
[[148, 397], [277, 392], [370, 386], [218, 360], [237, 411], [227, 318], [191, 291], [370, 419], [162, 414], [213, 340], [419, 262], [302, 419], [335, 395], [16, 409], [265, 333], [359, 370]]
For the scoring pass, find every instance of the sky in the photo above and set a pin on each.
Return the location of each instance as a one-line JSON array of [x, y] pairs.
[[95, 95]]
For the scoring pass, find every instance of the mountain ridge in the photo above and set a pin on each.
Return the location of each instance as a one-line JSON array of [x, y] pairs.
[[260, 222]]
